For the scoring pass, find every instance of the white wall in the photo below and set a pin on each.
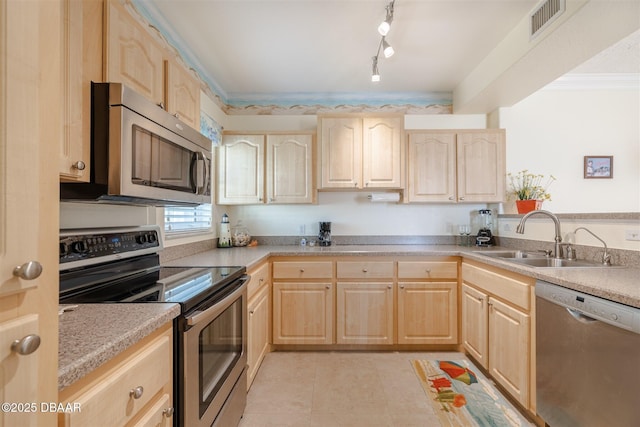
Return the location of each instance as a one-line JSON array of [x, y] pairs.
[[551, 131]]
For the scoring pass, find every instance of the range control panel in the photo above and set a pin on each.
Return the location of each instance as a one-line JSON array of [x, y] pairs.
[[611, 312], [79, 248]]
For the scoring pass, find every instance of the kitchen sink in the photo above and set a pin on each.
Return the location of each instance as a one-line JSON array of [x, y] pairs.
[[557, 263], [511, 254], [534, 259]]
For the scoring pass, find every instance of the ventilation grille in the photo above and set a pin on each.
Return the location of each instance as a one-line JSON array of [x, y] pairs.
[[545, 14]]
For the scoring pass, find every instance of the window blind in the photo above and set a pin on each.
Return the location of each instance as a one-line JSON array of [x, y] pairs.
[[181, 219]]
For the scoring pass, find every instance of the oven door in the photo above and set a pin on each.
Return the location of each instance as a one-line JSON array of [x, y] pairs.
[[146, 160], [214, 355]]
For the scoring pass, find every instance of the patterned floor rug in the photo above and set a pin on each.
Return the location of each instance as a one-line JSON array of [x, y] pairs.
[[462, 396]]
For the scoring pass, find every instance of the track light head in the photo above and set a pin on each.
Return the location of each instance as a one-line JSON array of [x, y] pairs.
[[384, 27], [375, 74], [387, 49]]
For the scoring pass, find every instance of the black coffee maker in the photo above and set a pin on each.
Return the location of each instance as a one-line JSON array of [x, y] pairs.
[[484, 225], [324, 236]]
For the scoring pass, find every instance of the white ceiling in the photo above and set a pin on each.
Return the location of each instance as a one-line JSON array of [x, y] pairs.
[[321, 49]]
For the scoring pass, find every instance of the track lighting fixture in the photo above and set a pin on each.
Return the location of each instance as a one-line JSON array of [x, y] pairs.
[[385, 25], [386, 48]]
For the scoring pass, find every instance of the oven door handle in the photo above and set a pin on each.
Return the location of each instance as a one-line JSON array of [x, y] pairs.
[[199, 316]]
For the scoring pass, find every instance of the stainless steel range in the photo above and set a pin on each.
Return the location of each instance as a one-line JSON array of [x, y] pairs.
[[122, 265]]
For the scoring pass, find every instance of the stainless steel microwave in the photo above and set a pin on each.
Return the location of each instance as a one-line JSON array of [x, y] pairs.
[[141, 154]]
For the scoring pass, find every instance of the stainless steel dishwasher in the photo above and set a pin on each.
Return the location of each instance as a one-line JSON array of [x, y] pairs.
[[587, 359]]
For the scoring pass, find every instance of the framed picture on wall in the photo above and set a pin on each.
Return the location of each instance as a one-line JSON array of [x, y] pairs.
[[598, 167]]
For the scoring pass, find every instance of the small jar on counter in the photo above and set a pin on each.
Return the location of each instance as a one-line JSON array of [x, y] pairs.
[[240, 235]]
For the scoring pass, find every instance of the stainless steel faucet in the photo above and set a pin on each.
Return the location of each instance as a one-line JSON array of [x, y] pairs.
[[556, 221], [606, 258]]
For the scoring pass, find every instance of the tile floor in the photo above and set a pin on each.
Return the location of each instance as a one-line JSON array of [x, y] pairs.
[[326, 389]]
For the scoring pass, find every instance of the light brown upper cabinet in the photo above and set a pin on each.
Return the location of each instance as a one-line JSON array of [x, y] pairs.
[[182, 94], [135, 58], [132, 56], [81, 63], [288, 163], [456, 166], [361, 152]]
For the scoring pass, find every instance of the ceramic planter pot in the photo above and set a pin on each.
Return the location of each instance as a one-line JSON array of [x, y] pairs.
[[526, 206]]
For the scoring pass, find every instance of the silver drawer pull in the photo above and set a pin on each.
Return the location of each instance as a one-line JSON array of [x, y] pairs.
[[168, 413], [302, 270], [364, 270], [136, 393], [28, 271], [26, 345]]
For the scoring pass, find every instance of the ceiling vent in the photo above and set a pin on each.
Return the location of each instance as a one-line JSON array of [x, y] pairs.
[[543, 15]]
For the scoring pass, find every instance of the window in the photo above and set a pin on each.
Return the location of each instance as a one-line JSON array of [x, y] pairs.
[[182, 219]]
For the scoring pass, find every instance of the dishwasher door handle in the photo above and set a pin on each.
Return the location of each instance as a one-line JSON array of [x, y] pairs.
[[582, 318]]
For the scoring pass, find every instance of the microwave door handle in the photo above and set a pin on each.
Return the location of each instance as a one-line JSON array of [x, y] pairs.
[[205, 173], [199, 176]]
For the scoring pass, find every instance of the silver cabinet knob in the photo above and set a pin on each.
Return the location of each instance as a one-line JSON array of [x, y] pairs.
[[28, 271], [161, 105], [461, 198], [168, 413], [136, 393], [80, 165], [26, 345], [364, 270], [450, 197]]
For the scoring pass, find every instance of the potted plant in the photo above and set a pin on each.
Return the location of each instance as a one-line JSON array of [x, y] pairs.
[[530, 190]]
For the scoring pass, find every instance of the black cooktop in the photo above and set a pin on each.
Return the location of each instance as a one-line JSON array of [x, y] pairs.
[[123, 265]]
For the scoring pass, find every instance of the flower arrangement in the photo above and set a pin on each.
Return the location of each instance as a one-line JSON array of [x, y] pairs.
[[529, 186]]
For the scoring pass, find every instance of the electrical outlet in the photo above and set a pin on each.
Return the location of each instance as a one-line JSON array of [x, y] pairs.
[[632, 235]]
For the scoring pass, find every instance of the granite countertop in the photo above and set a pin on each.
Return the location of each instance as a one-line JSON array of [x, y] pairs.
[[91, 334], [618, 284]]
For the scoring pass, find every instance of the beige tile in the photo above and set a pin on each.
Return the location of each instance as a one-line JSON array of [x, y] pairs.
[[341, 389]]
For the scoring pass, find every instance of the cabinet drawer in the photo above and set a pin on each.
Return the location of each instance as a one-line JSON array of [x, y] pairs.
[[365, 270], [302, 270], [159, 415], [110, 398], [427, 270], [259, 277], [511, 289]]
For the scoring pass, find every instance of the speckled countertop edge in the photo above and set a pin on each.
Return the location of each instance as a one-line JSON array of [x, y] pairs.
[[620, 284], [92, 334]]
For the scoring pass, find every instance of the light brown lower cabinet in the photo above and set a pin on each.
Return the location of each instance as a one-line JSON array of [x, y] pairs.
[[258, 331], [134, 388], [427, 313], [497, 327], [364, 313], [378, 300], [303, 312]]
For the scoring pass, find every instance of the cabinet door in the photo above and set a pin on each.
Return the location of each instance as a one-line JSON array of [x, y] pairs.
[[241, 170], [82, 63], [289, 169], [432, 167], [159, 415], [258, 332], [132, 56], [364, 313], [382, 149], [427, 313], [183, 94], [302, 313], [475, 324], [30, 131], [481, 166], [341, 152], [509, 349]]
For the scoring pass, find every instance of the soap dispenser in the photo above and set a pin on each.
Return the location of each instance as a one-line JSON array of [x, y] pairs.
[[224, 238]]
